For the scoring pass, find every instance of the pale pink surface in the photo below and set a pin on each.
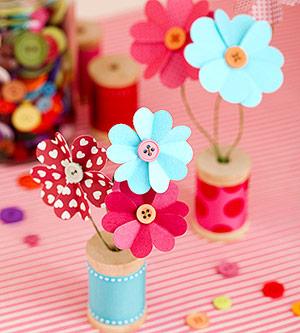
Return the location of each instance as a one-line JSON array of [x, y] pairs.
[[44, 289], [129, 233], [149, 48], [221, 209]]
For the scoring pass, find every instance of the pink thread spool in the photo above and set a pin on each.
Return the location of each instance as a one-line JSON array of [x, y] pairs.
[[222, 196], [89, 36]]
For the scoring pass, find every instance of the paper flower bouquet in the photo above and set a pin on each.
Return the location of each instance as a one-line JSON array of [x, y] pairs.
[[233, 59], [142, 207]]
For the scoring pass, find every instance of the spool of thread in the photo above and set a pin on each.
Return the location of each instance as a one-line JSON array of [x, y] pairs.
[[89, 38], [222, 196], [116, 80], [116, 288]]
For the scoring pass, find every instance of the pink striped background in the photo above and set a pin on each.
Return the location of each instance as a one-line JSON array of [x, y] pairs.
[[44, 289]]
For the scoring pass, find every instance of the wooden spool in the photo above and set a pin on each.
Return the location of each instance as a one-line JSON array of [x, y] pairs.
[[112, 264], [116, 80], [223, 175]]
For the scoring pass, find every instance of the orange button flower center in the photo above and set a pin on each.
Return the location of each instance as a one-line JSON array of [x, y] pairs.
[[146, 214], [175, 38], [236, 57]]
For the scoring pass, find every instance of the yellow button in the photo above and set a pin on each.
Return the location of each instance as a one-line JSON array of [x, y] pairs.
[[236, 57], [26, 117], [197, 320], [14, 91], [222, 303], [175, 38], [146, 214], [58, 35], [296, 308]]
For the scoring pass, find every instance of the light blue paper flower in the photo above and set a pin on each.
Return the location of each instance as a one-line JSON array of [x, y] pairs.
[[153, 155], [235, 57]]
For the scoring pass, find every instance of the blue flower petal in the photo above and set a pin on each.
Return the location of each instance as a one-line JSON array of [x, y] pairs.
[[124, 135], [213, 75], [270, 54], [143, 121], [181, 151], [139, 181], [121, 154], [159, 180], [236, 87], [173, 167], [267, 76], [125, 171], [162, 125], [257, 38], [178, 133], [254, 98], [208, 43]]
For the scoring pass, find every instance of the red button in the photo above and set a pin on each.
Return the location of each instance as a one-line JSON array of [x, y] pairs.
[[6, 107], [273, 289]]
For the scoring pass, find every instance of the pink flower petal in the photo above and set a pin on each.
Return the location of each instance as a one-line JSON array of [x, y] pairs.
[[200, 9], [174, 73], [179, 11], [147, 32], [147, 53], [112, 220], [95, 186], [157, 65], [177, 208], [157, 14], [121, 202], [142, 244], [136, 198], [161, 238], [164, 200], [86, 153], [174, 224], [125, 235], [53, 182], [70, 202], [191, 72], [53, 152]]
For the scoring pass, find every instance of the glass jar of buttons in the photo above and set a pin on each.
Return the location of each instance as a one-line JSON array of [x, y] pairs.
[[36, 71]]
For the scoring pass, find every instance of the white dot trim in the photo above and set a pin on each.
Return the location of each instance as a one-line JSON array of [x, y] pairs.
[[120, 279], [117, 322]]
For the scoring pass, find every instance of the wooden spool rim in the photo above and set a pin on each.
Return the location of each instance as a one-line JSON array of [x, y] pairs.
[[114, 71], [89, 34]]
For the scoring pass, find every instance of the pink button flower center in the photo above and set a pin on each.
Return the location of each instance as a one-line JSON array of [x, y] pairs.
[[148, 150], [146, 214]]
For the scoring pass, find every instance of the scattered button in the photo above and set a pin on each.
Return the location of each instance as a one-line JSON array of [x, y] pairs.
[[58, 35], [228, 269], [26, 117], [14, 91], [197, 320], [146, 214], [27, 182], [44, 104], [4, 75], [6, 107], [31, 240], [296, 308], [11, 215], [31, 49], [273, 289], [222, 303], [148, 150]]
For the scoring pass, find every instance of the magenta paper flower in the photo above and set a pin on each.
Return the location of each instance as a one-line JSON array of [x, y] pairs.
[[160, 41], [141, 221], [71, 178]]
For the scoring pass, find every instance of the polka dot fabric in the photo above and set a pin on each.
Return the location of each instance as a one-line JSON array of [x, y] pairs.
[[71, 178], [221, 209]]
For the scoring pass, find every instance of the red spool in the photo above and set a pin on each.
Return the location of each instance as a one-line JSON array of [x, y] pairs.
[[115, 90]]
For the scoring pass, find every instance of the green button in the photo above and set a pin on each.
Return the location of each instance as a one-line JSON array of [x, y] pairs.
[[31, 50]]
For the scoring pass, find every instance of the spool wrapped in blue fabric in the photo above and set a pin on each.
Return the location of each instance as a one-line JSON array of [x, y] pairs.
[[116, 288]]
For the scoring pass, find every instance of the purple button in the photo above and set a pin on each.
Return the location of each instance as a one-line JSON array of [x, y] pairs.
[[11, 215], [148, 150]]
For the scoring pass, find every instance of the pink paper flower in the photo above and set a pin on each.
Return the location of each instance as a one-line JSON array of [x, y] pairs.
[[160, 41], [71, 178], [141, 221]]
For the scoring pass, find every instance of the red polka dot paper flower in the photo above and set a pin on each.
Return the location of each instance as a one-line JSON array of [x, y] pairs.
[[141, 221], [73, 177], [160, 41]]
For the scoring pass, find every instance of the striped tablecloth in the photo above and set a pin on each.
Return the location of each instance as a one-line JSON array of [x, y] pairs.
[[44, 289]]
